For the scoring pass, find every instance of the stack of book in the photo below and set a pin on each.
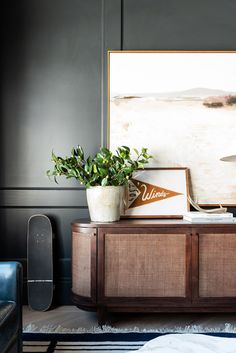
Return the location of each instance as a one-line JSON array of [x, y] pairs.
[[202, 217]]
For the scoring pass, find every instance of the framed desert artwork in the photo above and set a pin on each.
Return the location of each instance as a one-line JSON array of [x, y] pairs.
[[157, 193], [182, 107]]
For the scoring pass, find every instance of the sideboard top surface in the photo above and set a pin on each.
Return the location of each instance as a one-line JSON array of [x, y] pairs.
[[149, 223]]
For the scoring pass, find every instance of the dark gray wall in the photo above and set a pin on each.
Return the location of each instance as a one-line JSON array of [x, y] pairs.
[[53, 95]]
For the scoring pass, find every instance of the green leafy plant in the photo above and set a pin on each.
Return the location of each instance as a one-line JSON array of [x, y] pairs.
[[104, 169]]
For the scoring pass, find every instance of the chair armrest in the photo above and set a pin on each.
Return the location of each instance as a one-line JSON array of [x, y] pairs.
[[11, 281]]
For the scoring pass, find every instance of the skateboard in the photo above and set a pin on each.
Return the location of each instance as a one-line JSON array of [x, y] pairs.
[[40, 262]]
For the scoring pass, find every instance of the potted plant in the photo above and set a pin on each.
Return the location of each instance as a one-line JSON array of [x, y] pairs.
[[103, 175]]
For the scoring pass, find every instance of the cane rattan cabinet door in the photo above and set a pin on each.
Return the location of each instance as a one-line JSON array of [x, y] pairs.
[[152, 265], [217, 267], [84, 265]]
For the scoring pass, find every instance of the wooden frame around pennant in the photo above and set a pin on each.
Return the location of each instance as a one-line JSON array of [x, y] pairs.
[[157, 193], [212, 181]]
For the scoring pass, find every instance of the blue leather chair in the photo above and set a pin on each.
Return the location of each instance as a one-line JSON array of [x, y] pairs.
[[10, 307]]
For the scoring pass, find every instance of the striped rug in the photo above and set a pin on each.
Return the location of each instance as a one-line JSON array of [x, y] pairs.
[[91, 343]]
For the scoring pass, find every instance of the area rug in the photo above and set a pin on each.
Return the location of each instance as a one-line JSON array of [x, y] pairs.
[[191, 328], [94, 342]]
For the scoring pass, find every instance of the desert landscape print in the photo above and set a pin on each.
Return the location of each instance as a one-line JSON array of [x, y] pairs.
[[182, 106]]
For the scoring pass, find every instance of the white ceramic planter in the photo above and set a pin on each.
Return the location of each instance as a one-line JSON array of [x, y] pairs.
[[104, 203]]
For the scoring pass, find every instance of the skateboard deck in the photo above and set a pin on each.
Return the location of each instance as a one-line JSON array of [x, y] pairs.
[[40, 262]]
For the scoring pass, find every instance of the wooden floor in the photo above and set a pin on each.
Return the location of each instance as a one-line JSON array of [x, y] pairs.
[[70, 318]]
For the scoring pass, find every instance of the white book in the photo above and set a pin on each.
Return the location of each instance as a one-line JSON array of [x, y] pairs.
[[210, 220], [206, 216]]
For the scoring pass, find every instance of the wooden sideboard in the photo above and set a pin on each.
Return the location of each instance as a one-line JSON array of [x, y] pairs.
[[153, 266]]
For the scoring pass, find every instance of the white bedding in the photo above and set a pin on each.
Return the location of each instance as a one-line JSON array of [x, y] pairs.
[[189, 343]]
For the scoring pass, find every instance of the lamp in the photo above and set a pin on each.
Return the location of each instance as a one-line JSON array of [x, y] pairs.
[[229, 158]]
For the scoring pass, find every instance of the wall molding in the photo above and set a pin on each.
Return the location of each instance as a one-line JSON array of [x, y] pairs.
[[42, 188], [43, 198]]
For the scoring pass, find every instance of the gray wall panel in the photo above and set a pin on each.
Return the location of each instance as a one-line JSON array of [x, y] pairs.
[[14, 230], [183, 24], [43, 198], [50, 85]]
